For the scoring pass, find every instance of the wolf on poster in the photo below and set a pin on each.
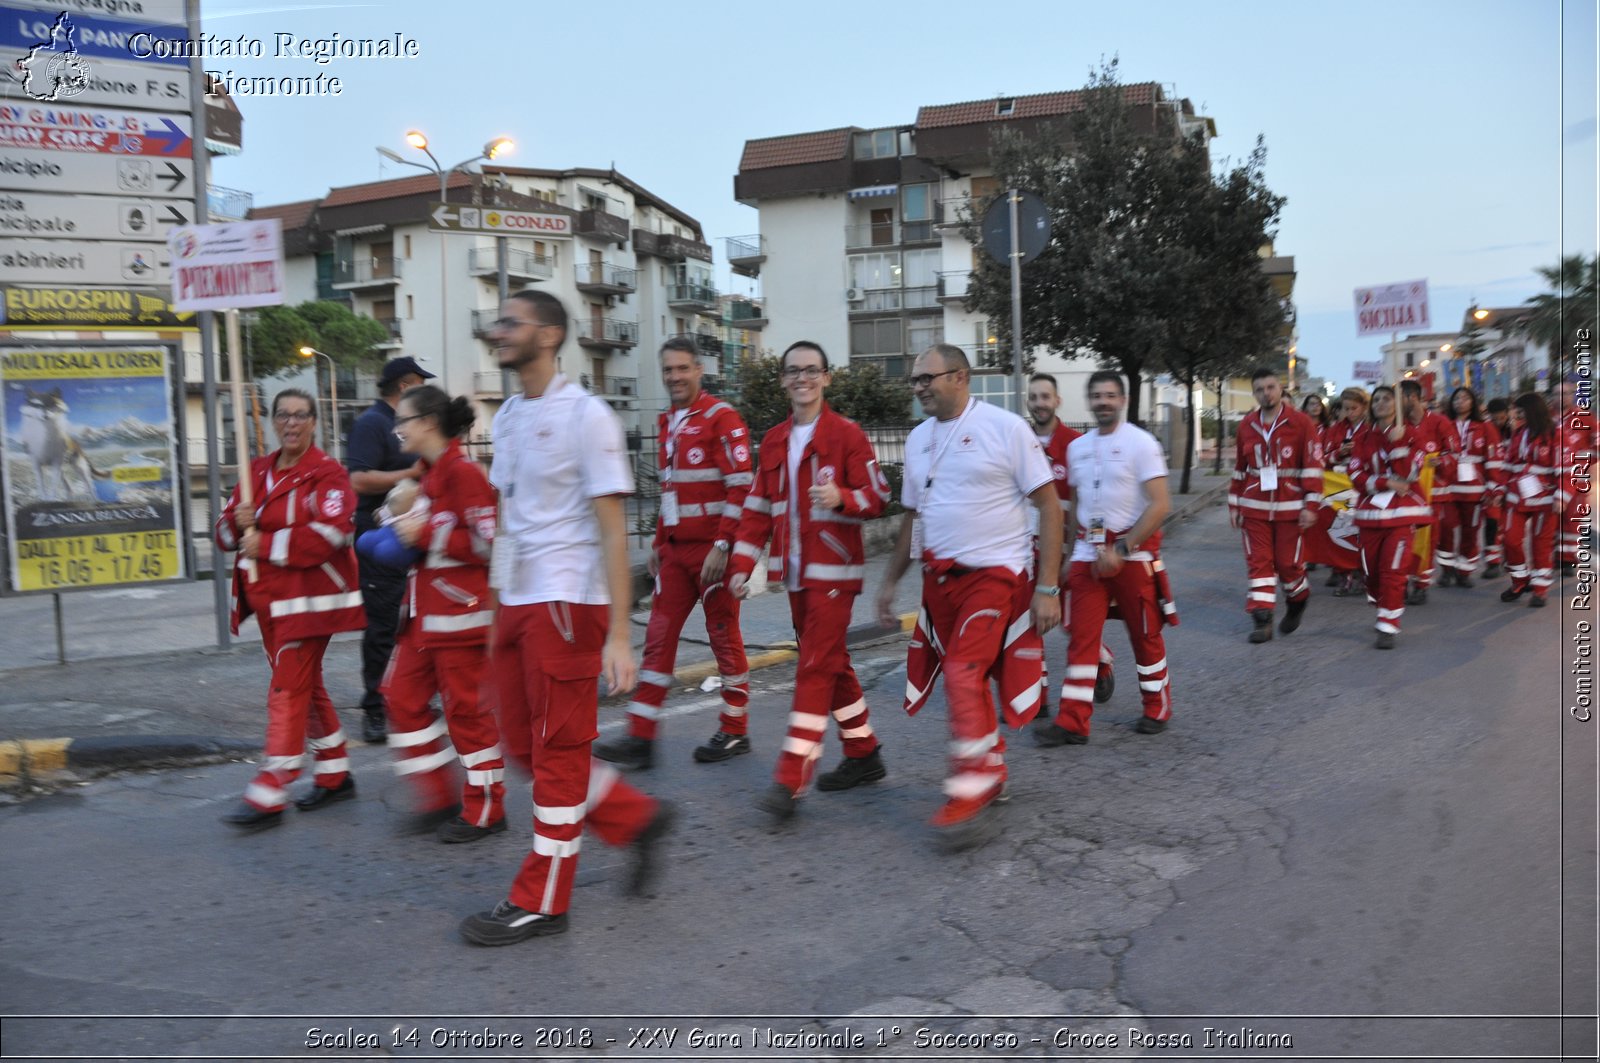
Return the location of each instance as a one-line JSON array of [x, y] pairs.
[[90, 470]]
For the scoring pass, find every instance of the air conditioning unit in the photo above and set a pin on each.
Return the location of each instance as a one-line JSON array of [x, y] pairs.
[[611, 301], [854, 295]]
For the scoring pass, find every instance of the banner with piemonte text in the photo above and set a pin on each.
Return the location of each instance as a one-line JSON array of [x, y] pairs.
[[232, 265], [91, 477]]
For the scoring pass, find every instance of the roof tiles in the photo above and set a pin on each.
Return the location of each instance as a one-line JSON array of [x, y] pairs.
[[1043, 105], [829, 145]]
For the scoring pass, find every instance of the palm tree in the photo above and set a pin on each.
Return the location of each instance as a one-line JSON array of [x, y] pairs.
[[1557, 315]]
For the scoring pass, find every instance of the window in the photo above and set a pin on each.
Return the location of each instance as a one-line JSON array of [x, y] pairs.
[[921, 280], [994, 388], [410, 308], [916, 203], [408, 245], [878, 144], [876, 337], [1004, 107], [1410, 359], [878, 271], [923, 332]]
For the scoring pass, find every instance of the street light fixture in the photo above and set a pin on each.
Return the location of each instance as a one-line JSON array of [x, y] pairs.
[[331, 432], [417, 139]]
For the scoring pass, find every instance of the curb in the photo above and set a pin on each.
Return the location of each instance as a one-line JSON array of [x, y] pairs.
[[25, 759]]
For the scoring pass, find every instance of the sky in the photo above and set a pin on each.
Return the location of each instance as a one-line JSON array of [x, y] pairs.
[[1450, 141]]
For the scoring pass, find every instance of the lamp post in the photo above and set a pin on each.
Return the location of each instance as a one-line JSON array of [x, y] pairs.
[[417, 139], [332, 430]]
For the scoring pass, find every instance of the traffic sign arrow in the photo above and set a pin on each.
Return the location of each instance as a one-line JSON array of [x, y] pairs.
[[172, 136], [442, 217], [174, 175], [175, 216]]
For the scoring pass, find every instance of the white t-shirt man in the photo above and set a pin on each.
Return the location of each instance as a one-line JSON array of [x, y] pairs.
[[552, 457], [969, 479], [1108, 473]]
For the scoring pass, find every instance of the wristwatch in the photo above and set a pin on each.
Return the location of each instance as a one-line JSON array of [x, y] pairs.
[[723, 545], [1121, 547], [1052, 591]]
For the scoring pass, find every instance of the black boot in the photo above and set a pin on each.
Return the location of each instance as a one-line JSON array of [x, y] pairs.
[[1291, 618], [1263, 620]]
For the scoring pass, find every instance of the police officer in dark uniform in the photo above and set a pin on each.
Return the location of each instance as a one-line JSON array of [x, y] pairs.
[[377, 464]]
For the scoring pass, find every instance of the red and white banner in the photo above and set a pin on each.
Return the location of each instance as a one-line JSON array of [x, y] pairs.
[[1391, 308], [229, 266]]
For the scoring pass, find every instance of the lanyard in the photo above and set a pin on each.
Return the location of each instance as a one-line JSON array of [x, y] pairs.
[[927, 484], [675, 422], [1266, 437]]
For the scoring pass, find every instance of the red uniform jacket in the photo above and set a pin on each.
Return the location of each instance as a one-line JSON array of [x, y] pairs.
[[1477, 445], [1374, 459], [1293, 444], [706, 464], [831, 553], [1055, 452], [1533, 480], [1436, 437], [306, 575], [447, 592], [1335, 436]]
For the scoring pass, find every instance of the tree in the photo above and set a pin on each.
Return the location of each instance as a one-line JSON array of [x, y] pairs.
[[280, 331], [1570, 305], [860, 392]]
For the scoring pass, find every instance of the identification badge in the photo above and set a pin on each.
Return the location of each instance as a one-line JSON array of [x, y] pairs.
[[1269, 478], [1468, 471], [669, 508], [1528, 486], [1097, 531]]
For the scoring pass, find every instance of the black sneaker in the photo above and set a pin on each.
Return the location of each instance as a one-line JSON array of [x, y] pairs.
[[1263, 628], [1385, 640], [722, 746], [647, 851], [1492, 571], [853, 771], [458, 831], [374, 728], [1292, 616], [249, 819], [1464, 581], [628, 752], [1536, 602], [1335, 577], [1569, 569], [1149, 725], [777, 801], [1105, 684], [1056, 735], [318, 796], [1512, 593], [1418, 595], [430, 821], [508, 924]]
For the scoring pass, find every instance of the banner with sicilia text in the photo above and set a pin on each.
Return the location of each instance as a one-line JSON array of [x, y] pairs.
[[92, 483]]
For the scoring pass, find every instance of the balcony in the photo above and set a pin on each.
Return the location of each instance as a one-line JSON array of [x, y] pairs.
[[926, 231], [707, 344], [483, 322], [863, 237], [955, 211], [520, 264], [745, 254], [366, 273], [691, 297], [490, 383], [747, 314], [395, 330], [613, 387], [598, 224], [603, 278], [607, 333], [987, 355], [953, 286]]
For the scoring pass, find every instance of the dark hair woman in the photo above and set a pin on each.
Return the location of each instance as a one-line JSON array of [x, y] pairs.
[[1384, 468], [443, 530], [1534, 499], [1459, 499], [297, 574], [1314, 407]]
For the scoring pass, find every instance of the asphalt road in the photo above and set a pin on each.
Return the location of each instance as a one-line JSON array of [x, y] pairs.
[[1357, 852]]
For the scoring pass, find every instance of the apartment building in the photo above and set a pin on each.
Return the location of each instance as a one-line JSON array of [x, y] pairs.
[[860, 245], [633, 271]]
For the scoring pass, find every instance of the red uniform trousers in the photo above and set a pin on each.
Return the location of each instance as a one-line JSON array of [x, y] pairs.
[[968, 616], [677, 589], [1421, 567], [546, 659], [422, 751], [1272, 554], [1386, 560], [299, 713], [1459, 523], [824, 684], [1539, 526], [1134, 590]]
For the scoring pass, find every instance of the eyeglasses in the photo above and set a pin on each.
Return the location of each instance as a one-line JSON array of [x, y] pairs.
[[512, 322], [922, 380], [293, 418], [810, 372], [398, 421]]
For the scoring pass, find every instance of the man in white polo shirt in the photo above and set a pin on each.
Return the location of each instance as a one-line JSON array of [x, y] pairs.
[[972, 472], [561, 569], [1119, 489]]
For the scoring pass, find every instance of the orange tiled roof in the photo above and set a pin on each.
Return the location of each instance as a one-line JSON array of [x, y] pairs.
[[294, 215], [797, 150], [1043, 105], [392, 189]]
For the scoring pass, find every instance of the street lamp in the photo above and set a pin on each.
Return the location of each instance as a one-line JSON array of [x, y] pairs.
[[331, 432], [417, 139]]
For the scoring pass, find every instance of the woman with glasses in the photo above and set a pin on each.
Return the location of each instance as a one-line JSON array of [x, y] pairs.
[[444, 537], [1384, 468], [297, 574]]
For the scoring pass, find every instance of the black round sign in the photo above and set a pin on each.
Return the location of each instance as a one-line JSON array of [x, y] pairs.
[[1033, 228]]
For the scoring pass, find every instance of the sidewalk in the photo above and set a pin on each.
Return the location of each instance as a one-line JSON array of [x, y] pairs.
[[145, 684]]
